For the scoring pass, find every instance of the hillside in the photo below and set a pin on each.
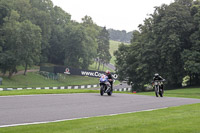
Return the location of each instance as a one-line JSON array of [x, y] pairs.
[[113, 47]]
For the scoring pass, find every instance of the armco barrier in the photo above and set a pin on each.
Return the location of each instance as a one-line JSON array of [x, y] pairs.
[[61, 88]]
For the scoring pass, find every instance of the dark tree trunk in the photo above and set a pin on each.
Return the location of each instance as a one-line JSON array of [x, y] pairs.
[[10, 74], [197, 82], [25, 69], [96, 64], [99, 65]]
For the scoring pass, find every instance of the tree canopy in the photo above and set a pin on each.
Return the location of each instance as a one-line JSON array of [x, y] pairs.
[[167, 43], [36, 32]]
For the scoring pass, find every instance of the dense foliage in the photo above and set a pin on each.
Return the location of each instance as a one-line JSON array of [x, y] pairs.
[[167, 43], [121, 36], [35, 32]]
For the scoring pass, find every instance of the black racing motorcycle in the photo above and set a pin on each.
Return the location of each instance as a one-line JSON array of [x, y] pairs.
[[157, 87]]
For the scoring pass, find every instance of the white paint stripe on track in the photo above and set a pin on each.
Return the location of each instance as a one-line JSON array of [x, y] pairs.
[[45, 122]]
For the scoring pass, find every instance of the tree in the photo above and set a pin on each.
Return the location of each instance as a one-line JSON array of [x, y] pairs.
[[61, 20], [74, 47], [41, 15], [9, 56], [121, 36], [91, 34], [103, 47], [158, 46], [191, 55], [30, 44]]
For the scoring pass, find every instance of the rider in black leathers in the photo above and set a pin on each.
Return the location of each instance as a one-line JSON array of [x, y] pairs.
[[158, 77], [110, 78]]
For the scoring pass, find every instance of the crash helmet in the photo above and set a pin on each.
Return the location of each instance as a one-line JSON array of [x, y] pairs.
[[107, 72], [156, 74]]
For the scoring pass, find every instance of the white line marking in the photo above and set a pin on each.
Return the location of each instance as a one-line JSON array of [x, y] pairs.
[[45, 122]]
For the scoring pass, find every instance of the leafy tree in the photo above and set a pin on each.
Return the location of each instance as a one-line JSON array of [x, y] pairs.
[[41, 15], [158, 46], [103, 47], [30, 44], [9, 56], [121, 36], [191, 55], [92, 32], [61, 20], [74, 47]]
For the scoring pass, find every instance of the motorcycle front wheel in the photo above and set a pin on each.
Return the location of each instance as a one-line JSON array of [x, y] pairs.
[[161, 92], [156, 91]]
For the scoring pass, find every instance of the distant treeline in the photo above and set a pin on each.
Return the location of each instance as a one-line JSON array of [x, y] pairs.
[[121, 36], [35, 32], [167, 43]]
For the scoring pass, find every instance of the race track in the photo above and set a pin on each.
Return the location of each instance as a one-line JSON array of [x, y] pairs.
[[20, 110]]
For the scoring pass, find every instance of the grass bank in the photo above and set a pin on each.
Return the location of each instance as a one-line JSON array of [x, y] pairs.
[[36, 80], [114, 45]]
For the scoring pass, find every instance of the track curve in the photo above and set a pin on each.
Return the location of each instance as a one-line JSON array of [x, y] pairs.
[[47, 108]]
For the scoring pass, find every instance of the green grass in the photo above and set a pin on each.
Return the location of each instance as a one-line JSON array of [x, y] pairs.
[[36, 80], [35, 92], [22, 68], [101, 68], [187, 93], [114, 47], [183, 119]]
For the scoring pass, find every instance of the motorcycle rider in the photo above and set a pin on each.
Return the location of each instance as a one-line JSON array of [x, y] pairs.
[[110, 78], [158, 77]]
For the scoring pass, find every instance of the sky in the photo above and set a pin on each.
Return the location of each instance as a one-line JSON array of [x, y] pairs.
[[115, 14]]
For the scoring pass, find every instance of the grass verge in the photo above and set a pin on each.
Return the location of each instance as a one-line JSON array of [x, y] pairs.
[[36, 80], [183, 119], [35, 92]]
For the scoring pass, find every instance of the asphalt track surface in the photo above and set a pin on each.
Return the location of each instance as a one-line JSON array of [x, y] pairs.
[[22, 110]]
